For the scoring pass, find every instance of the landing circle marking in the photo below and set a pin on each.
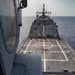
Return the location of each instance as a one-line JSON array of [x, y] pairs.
[[40, 45]]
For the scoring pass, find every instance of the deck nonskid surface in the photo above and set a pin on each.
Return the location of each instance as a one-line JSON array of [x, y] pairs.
[[54, 56]]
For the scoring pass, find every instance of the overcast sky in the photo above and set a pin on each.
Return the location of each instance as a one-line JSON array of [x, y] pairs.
[[57, 7]]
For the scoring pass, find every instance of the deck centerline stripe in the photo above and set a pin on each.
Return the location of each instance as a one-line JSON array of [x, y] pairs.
[[62, 50], [44, 56], [27, 46]]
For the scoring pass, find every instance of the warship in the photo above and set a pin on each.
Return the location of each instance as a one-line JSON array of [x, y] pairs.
[[57, 56], [42, 52]]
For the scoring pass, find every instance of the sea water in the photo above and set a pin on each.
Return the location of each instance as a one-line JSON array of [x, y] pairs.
[[66, 28]]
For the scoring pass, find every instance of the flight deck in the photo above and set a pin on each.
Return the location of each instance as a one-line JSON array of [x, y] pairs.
[[56, 54]]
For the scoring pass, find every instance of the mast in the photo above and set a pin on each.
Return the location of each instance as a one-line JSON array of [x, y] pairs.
[[43, 12], [43, 9]]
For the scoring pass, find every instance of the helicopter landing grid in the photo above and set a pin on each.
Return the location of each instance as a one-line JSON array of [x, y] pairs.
[[53, 53], [45, 46]]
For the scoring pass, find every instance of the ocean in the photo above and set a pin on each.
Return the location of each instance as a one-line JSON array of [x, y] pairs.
[[66, 28]]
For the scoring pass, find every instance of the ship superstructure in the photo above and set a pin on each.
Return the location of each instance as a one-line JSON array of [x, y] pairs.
[[43, 26]]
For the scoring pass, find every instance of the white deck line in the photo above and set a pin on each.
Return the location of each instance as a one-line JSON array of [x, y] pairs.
[[62, 50], [43, 30], [27, 47], [44, 56]]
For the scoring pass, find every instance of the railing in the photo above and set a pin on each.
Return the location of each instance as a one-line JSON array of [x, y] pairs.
[[64, 73]]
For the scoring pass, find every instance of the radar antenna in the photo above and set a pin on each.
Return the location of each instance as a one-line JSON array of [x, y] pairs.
[[43, 12]]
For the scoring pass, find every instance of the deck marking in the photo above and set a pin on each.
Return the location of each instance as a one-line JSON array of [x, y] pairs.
[[54, 51], [27, 47], [62, 50], [74, 59], [27, 51], [57, 51], [30, 51], [44, 56], [36, 51], [39, 44]]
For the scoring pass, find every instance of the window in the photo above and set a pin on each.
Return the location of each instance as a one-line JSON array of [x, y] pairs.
[[8, 19]]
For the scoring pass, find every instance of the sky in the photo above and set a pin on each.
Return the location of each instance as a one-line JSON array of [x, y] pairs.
[[56, 7]]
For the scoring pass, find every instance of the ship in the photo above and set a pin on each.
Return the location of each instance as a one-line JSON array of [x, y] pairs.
[[57, 56], [43, 26], [41, 53]]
